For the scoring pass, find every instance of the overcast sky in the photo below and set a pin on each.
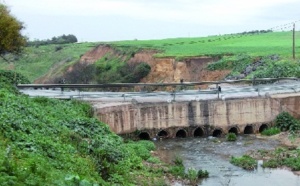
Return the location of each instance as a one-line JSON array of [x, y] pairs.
[[110, 20]]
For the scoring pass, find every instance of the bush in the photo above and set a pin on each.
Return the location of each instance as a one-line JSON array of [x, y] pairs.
[[271, 131], [12, 77], [231, 137], [178, 161], [203, 174], [178, 169], [192, 176], [271, 164], [245, 161], [8, 80], [285, 122], [235, 63], [277, 69], [81, 73]]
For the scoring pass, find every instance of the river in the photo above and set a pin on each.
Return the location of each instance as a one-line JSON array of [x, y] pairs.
[[213, 155]]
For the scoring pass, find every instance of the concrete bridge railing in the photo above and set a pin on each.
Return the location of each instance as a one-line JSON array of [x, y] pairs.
[[195, 118]]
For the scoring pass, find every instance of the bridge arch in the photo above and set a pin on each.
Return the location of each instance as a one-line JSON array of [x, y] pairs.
[[198, 132], [181, 133], [144, 136], [234, 130], [263, 127], [249, 129], [163, 134], [218, 132]]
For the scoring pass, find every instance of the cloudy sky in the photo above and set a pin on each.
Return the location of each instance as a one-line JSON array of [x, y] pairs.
[[111, 20]]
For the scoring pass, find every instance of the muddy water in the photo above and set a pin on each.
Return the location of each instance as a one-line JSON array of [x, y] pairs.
[[213, 155]]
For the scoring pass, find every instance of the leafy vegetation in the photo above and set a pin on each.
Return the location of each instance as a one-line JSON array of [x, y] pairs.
[[235, 63], [231, 137], [245, 161], [64, 39], [9, 78], [115, 70], [271, 131], [191, 175], [11, 38], [203, 174], [276, 69], [285, 122], [289, 157], [56, 142], [283, 157]]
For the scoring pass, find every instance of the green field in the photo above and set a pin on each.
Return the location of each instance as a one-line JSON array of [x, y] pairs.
[[254, 45], [37, 61]]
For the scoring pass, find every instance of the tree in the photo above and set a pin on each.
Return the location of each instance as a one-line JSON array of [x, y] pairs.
[[11, 39]]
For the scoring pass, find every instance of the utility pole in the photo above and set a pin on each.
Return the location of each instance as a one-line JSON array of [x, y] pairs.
[[294, 41]]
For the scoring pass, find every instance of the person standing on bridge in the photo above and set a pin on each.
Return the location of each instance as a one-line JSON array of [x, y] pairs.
[[219, 89]]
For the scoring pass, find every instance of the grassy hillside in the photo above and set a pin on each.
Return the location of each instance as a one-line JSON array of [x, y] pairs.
[[53, 142], [37, 61], [54, 59]]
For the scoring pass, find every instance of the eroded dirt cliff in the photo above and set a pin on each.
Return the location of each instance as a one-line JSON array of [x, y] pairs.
[[163, 70]]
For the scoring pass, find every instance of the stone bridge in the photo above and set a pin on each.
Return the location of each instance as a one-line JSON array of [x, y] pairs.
[[196, 118]]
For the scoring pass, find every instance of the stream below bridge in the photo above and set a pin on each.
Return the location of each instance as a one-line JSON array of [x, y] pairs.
[[213, 155]]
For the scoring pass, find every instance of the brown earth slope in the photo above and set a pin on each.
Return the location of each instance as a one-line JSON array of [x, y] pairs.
[[163, 70]]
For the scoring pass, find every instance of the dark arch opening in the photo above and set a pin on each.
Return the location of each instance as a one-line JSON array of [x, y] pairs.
[[233, 130], [181, 133], [144, 136], [248, 130], [263, 127], [199, 132], [217, 133], [162, 133]]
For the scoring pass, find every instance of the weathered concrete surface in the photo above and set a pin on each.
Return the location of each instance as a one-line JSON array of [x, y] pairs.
[[235, 114], [289, 103]]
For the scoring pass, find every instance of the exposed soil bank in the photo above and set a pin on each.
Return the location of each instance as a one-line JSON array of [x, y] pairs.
[[163, 70]]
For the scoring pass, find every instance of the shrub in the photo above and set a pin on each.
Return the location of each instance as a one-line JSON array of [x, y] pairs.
[[285, 122], [271, 131], [271, 164], [80, 73], [178, 161], [245, 161], [12, 77], [231, 136], [235, 63], [192, 176], [178, 169], [203, 174]]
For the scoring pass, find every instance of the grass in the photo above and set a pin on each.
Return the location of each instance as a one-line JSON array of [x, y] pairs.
[[245, 161], [231, 137], [271, 131], [37, 61], [254, 45]]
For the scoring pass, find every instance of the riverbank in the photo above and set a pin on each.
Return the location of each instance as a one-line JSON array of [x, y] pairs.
[[214, 155], [287, 151]]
